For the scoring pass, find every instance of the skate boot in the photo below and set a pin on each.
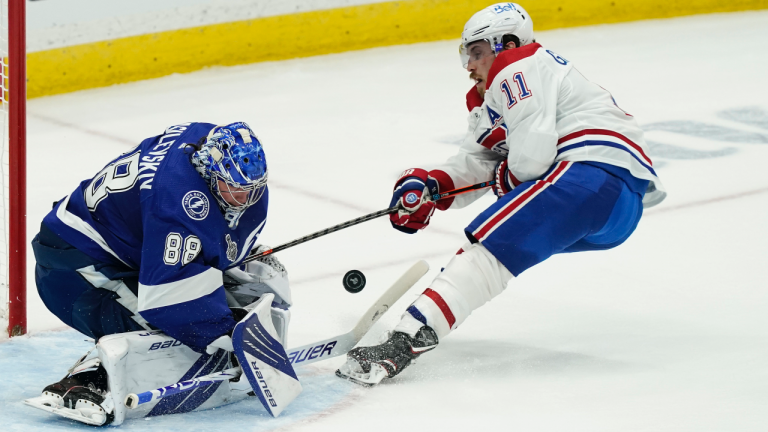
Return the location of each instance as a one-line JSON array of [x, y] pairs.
[[82, 395], [369, 365]]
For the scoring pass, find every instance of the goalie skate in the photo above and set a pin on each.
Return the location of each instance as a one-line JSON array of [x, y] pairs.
[[80, 396], [368, 366], [84, 411]]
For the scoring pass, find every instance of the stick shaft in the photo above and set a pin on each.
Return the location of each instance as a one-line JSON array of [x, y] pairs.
[[321, 233], [361, 219], [134, 400], [462, 190]]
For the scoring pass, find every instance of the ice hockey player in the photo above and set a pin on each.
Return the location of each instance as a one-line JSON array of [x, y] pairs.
[[572, 173], [146, 245]]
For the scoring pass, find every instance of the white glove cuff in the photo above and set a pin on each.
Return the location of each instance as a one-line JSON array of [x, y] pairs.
[[223, 342]]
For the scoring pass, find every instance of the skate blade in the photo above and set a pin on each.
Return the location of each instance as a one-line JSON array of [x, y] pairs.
[[354, 380], [369, 379], [45, 403]]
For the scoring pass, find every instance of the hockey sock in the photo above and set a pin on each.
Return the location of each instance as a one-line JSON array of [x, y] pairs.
[[409, 325], [471, 278]]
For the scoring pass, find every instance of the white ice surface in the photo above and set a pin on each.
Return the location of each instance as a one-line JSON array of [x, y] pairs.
[[668, 332]]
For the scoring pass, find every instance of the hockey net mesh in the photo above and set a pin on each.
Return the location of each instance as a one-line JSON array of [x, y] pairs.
[[4, 131]]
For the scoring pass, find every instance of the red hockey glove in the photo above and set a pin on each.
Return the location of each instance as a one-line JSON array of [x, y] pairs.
[[505, 181], [412, 196]]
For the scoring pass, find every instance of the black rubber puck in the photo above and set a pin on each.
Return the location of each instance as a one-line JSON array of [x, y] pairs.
[[354, 281]]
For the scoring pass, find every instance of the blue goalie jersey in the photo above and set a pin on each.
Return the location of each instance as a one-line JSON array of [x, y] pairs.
[[151, 211]]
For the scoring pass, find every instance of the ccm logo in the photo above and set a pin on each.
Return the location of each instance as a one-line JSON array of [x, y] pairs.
[[311, 353]]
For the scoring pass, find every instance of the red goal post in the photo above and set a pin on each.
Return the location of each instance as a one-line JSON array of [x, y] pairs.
[[13, 268]]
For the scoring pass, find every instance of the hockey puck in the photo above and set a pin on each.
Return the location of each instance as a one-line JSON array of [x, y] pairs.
[[354, 281]]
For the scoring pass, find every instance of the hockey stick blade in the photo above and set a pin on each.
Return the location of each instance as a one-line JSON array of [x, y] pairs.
[[341, 344], [305, 354]]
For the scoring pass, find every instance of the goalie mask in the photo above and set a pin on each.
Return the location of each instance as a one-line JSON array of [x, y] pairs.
[[232, 161], [497, 25]]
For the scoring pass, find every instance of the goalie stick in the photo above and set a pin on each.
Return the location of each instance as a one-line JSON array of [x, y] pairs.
[[305, 354], [361, 219]]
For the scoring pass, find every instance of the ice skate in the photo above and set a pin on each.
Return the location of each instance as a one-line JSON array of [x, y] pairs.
[[82, 395], [369, 365]]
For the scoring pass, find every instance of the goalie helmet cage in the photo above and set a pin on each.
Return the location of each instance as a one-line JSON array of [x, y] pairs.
[[13, 166]]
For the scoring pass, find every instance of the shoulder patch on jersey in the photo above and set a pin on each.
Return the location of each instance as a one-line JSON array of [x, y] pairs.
[[196, 205], [474, 99], [506, 58]]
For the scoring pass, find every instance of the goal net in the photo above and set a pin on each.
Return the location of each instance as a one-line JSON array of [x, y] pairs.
[[12, 167]]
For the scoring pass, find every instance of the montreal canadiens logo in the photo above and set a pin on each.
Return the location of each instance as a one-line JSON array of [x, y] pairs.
[[411, 198], [196, 205]]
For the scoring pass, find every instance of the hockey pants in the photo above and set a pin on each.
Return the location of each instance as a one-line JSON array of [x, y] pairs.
[[95, 298], [574, 207]]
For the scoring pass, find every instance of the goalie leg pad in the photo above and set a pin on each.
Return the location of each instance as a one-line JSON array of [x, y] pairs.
[[138, 361], [264, 360]]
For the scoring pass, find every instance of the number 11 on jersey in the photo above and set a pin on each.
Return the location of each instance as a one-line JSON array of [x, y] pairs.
[[522, 89]]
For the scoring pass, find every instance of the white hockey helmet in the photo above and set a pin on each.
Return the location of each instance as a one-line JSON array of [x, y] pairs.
[[492, 24]]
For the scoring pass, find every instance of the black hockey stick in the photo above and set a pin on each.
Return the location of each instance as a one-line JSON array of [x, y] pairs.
[[361, 219]]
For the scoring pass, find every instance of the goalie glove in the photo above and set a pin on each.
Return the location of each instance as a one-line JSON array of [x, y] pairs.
[[223, 342], [265, 275], [271, 260]]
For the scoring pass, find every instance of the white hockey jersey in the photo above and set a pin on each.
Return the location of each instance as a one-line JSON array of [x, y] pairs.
[[539, 110]]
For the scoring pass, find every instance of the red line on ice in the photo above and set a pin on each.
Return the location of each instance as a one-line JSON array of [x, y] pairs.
[[707, 201]]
